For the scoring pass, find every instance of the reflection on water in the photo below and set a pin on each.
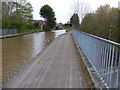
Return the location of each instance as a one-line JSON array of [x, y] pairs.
[[49, 37], [59, 32], [19, 50]]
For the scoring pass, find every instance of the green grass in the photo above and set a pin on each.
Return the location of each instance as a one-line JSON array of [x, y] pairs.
[[86, 77], [68, 30], [28, 30]]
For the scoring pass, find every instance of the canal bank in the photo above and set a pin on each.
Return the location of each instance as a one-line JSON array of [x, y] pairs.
[[20, 34], [15, 35]]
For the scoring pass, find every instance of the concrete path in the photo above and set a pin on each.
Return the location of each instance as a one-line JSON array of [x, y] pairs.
[[58, 66]]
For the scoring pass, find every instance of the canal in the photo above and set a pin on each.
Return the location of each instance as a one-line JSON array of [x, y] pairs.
[[17, 51]]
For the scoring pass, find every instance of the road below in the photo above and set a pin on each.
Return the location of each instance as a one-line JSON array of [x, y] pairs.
[[57, 66]]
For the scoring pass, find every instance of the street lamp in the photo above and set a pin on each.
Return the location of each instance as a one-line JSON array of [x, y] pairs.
[[110, 32]]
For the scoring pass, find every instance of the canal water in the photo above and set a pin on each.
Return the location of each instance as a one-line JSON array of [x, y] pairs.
[[17, 51]]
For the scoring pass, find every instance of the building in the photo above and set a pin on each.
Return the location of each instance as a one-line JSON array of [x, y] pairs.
[[41, 23], [59, 26]]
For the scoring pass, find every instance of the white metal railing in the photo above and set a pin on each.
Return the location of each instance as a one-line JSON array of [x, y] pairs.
[[104, 55]]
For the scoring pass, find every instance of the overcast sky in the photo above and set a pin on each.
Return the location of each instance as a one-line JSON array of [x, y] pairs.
[[63, 8]]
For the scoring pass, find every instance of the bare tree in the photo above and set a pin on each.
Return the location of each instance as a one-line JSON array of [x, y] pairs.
[[81, 8]]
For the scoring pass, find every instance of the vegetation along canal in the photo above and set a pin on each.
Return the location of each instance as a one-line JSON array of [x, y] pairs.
[[17, 51]]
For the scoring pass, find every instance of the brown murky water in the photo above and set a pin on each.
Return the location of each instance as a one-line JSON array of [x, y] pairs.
[[17, 51]]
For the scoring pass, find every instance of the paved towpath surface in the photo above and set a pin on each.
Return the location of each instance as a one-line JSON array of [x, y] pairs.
[[58, 66]]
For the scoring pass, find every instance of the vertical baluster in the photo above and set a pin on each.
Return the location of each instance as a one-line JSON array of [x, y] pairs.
[[95, 53], [93, 43], [104, 57], [103, 61], [108, 66], [106, 61], [101, 57], [111, 67], [115, 68]]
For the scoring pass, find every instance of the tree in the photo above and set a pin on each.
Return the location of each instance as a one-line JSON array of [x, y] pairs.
[[74, 20], [47, 13], [99, 23], [17, 15], [81, 8], [6, 13], [28, 15]]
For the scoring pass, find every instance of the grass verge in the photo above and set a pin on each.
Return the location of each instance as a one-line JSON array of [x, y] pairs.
[[28, 30], [86, 75], [22, 32], [68, 30]]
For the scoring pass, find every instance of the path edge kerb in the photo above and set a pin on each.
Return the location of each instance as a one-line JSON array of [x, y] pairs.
[[18, 34], [93, 74]]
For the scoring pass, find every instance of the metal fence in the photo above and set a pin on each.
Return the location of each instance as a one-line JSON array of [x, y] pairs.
[[104, 55], [8, 31]]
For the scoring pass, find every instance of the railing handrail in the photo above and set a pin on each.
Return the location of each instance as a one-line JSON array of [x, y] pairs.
[[100, 38]]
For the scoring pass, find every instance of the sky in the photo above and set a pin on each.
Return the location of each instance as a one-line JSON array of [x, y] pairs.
[[63, 8]]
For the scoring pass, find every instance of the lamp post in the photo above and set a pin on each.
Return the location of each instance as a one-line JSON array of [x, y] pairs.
[[110, 32]]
